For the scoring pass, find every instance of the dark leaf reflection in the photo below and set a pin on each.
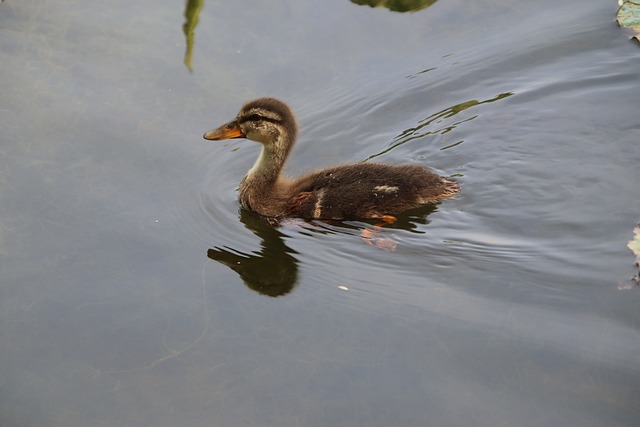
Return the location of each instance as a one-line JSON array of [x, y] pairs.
[[397, 5]]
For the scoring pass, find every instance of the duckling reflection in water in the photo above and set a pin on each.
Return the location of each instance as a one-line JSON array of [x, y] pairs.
[[351, 191], [271, 271]]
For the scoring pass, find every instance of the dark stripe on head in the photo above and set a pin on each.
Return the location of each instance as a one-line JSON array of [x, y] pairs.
[[256, 118], [269, 110]]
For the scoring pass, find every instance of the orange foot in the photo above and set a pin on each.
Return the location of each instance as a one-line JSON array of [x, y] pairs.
[[370, 236]]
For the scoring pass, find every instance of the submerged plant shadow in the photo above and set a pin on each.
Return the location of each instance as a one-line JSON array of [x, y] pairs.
[[423, 129]]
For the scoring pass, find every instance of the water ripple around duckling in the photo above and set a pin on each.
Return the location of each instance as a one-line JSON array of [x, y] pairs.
[[211, 213]]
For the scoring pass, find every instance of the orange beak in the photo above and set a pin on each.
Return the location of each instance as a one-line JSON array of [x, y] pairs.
[[228, 131]]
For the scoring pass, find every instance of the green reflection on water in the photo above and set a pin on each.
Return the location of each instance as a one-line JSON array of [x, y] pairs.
[[397, 5], [193, 8], [192, 16]]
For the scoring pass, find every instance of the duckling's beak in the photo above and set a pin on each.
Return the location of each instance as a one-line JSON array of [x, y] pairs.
[[228, 131]]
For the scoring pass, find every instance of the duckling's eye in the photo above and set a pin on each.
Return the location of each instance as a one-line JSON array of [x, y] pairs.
[[255, 117]]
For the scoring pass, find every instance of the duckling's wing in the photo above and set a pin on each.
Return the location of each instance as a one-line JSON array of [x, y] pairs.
[[367, 190]]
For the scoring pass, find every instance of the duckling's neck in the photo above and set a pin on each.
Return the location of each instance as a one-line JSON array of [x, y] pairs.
[[268, 166], [262, 179]]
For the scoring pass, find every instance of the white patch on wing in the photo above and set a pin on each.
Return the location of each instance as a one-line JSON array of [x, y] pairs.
[[317, 211], [386, 188]]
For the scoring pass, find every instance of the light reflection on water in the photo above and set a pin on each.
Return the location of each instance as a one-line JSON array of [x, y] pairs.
[[123, 301]]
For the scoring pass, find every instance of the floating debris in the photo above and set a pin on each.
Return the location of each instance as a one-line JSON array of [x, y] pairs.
[[634, 245], [628, 16]]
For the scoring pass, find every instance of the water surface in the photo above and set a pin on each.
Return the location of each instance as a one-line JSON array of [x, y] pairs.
[[122, 299]]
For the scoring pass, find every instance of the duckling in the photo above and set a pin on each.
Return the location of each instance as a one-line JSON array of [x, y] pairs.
[[344, 192]]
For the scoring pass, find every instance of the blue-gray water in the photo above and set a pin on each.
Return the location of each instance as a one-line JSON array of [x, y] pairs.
[[132, 289]]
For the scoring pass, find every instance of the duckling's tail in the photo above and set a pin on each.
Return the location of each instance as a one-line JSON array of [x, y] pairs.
[[441, 189], [450, 188]]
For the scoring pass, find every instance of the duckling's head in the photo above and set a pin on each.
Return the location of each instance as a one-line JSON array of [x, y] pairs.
[[265, 120]]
